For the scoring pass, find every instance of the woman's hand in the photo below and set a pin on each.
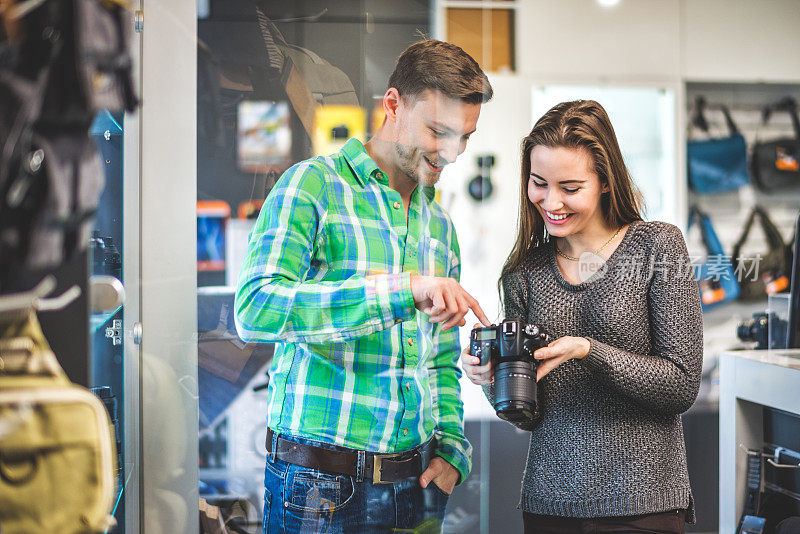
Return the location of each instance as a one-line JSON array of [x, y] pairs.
[[472, 367], [557, 352]]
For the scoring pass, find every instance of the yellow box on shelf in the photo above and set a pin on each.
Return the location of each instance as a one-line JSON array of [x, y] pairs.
[[335, 124]]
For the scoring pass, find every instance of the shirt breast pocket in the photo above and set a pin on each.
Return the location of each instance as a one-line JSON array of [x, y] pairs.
[[433, 257]]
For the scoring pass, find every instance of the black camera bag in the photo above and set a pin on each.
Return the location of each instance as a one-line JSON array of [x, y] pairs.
[[67, 61], [773, 267], [775, 165]]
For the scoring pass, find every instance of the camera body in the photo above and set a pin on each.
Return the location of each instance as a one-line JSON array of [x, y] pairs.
[[510, 346], [758, 330]]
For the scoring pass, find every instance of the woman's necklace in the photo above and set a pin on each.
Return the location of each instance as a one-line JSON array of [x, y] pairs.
[[596, 252]]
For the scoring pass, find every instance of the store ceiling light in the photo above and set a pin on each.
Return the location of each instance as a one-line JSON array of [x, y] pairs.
[[608, 3]]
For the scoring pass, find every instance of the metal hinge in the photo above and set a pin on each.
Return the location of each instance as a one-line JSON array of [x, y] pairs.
[[138, 21]]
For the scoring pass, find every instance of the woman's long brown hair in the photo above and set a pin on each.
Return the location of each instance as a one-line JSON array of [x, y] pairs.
[[578, 124]]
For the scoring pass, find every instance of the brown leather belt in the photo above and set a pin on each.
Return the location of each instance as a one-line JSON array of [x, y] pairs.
[[380, 468]]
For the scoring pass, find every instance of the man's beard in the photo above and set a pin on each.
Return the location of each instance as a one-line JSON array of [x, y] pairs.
[[410, 165]]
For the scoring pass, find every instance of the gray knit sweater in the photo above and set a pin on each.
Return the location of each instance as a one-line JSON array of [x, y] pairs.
[[610, 441]]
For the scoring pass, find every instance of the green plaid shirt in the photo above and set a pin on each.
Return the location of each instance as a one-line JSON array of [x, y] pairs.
[[327, 276]]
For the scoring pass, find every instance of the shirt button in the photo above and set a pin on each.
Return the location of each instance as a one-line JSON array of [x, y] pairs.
[[408, 386], [396, 205], [405, 431], [411, 342]]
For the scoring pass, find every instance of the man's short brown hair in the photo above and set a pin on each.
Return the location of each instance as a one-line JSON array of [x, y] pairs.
[[432, 64]]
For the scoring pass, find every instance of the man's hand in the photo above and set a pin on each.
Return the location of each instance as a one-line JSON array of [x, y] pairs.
[[441, 473], [444, 300]]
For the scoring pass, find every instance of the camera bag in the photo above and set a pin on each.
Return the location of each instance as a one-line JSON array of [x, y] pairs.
[[775, 165], [718, 164], [57, 458], [716, 278], [68, 60], [771, 270]]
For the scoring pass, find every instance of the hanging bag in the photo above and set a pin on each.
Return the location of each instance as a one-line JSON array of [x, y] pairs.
[[776, 164], [715, 276], [719, 164], [765, 274], [57, 457]]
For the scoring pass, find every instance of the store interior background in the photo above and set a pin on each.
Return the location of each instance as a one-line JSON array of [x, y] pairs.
[[645, 60]]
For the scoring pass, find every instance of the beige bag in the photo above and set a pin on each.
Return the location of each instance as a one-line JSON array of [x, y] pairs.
[[57, 457]]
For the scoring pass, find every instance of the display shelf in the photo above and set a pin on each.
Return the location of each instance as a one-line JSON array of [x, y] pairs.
[[749, 381]]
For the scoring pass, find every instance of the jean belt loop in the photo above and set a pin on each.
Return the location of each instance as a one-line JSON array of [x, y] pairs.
[[360, 467], [274, 447]]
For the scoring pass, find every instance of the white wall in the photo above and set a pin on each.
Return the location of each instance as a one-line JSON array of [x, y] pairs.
[[733, 40], [741, 40], [579, 40]]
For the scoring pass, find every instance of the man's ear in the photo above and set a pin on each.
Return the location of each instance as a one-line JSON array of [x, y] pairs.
[[391, 103]]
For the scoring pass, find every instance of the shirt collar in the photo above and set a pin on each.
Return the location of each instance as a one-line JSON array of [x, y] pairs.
[[364, 167]]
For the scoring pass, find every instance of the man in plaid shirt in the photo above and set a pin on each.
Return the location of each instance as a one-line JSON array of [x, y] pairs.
[[353, 268]]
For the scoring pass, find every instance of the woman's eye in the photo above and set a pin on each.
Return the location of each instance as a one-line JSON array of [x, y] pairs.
[[568, 190], [539, 184]]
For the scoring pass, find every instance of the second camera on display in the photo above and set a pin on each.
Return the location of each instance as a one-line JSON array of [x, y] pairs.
[[766, 329]]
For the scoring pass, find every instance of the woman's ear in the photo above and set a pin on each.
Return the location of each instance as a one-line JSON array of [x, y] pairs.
[[604, 188]]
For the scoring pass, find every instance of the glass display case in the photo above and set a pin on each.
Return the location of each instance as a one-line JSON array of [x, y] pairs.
[[107, 370]]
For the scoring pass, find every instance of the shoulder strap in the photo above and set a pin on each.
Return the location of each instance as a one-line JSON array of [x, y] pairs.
[[787, 104], [732, 128], [771, 232], [709, 238], [745, 232], [774, 237], [698, 117]]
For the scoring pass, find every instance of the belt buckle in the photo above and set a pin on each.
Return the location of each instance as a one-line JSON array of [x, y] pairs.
[[377, 460]]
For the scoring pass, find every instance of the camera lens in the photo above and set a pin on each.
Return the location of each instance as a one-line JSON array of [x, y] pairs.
[[515, 393], [744, 331]]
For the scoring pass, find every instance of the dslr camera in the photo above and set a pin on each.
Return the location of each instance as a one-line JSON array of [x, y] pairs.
[[510, 347], [766, 329]]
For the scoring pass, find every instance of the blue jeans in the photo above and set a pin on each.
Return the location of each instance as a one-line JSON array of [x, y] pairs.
[[304, 500]]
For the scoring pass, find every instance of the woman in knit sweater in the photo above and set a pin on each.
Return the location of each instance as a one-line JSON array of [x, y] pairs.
[[619, 298]]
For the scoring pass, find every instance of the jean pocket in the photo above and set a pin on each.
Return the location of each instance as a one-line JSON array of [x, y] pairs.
[[276, 469], [437, 489], [309, 490]]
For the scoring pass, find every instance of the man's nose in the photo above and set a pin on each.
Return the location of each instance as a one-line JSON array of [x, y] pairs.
[[448, 151]]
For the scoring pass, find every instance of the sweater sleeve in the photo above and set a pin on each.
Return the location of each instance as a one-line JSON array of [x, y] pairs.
[[667, 380]]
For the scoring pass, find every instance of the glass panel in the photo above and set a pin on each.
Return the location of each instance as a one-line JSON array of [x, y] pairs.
[[252, 126], [106, 268]]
